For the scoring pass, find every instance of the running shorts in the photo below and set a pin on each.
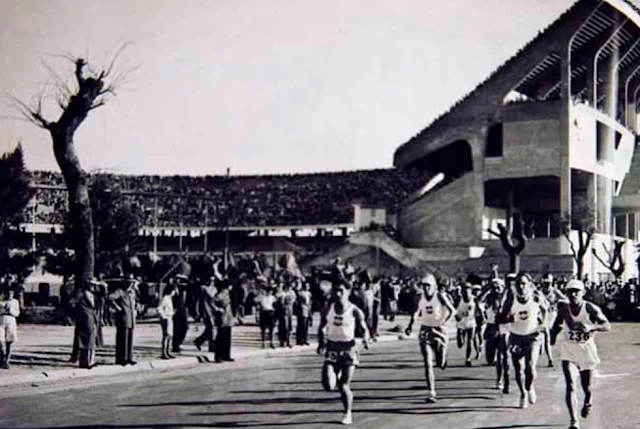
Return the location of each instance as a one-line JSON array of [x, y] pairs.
[[432, 336], [8, 329], [341, 353], [522, 345], [583, 355]]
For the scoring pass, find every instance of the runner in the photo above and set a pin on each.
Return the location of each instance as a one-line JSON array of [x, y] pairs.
[[481, 320], [526, 311], [577, 348], [466, 318], [338, 326], [553, 296], [434, 312], [495, 345]]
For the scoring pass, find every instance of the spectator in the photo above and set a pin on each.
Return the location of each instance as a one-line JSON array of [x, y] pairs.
[[266, 301], [284, 312], [9, 312], [166, 313], [224, 322], [303, 314], [125, 301], [208, 310], [180, 316], [87, 324]]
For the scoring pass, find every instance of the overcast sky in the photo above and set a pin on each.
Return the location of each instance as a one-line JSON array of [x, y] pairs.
[[260, 86]]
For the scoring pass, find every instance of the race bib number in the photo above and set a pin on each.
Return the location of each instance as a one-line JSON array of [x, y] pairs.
[[337, 321], [578, 336]]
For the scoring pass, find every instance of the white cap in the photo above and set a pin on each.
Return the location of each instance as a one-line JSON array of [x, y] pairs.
[[575, 285]]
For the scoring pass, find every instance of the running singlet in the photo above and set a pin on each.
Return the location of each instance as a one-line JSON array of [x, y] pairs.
[[573, 335], [341, 327], [525, 320], [431, 311], [466, 314]]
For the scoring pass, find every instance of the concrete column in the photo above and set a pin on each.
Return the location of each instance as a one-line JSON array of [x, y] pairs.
[[565, 135], [590, 87], [477, 155], [604, 202]]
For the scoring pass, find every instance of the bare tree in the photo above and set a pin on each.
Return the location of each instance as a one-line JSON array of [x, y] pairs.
[[614, 262], [91, 90], [514, 241], [582, 220]]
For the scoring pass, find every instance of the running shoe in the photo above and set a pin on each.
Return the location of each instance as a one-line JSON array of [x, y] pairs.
[[431, 397], [532, 396], [523, 401], [574, 425], [347, 419], [586, 409], [499, 385]]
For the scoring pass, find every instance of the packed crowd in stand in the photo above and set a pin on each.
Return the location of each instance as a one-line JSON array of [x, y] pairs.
[[265, 200]]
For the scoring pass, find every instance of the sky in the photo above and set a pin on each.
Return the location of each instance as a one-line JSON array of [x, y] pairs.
[[257, 86]]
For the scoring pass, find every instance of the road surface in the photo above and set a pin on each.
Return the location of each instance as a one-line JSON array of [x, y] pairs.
[[285, 391]]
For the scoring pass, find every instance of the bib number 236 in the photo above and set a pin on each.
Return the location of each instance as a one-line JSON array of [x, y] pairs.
[[578, 336]]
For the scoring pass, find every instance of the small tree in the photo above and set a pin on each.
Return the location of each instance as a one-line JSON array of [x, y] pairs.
[[582, 220], [514, 242], [614, 262], [15, 192]]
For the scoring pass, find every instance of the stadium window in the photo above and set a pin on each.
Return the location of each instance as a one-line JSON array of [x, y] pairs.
[[493, 147]]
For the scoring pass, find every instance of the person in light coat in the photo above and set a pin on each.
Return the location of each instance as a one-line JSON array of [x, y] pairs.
[[9, 312], [166, 312]]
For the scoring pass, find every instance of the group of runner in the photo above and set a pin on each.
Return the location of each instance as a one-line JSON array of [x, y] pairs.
[[512, 319]]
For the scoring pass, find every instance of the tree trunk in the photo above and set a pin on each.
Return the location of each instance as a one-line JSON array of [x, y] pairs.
[[79, 204], [580, 267], [514, 262]]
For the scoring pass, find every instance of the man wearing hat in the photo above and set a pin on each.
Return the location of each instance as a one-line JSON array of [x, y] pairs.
[[125, 300], [208, 311], [180, 316], [579, 320], [224, 321], [525, 311]]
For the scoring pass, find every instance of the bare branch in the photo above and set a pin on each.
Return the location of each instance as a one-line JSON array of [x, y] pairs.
[[492, 232], [107, 72], [573, 248], [60, 83], [604, 264], [607, 251], [98, 104], [32, 115]]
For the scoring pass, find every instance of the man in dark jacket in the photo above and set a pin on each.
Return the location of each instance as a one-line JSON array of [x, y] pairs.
[[224, 321], [181, 316], [207, 311], [125, 301], [87, 325]]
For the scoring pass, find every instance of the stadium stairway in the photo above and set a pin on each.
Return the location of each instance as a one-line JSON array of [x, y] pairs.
[[375, 251]]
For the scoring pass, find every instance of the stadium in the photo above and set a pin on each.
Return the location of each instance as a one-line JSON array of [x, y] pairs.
[[555, 123]]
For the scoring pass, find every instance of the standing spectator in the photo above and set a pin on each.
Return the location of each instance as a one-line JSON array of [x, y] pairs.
[[87, 324], [266, 301], [9, 312], [166, 313], [375, 310], [100, 290], [125, 302], [224, 322], [303, 313], [286, 299], [208, 312], [181, 315], [239, 296]]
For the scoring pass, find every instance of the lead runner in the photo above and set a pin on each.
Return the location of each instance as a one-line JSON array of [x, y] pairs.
[[579, 320], [434, 312], [338, 328]]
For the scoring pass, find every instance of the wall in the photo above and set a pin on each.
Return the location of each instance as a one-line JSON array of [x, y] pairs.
[[582, 146], [365, 216], [445, 216], [530, 148]]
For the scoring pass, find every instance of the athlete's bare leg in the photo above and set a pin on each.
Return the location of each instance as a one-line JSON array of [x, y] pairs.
[[329, 377], [531, 361], [586, 378], [428, 356], [346, 394], [570, 374], [504, 350], [547, 346], [517, 367], [470, 337]]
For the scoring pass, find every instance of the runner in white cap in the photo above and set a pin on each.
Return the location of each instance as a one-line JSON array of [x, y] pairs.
[[434, 312], [338, 326], [577, 348], [466, 320], [526, 311]]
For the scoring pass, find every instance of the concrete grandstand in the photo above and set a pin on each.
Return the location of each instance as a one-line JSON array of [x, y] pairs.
[[556, 122]]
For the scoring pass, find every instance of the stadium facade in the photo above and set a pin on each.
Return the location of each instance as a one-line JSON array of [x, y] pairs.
[[554, 124]]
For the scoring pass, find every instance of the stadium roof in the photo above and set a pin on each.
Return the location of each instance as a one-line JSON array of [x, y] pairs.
[[598, 32]]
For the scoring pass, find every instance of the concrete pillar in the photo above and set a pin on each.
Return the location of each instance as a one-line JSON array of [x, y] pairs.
[[477, 156], [590, 84], [604, 202], [565, 135]]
